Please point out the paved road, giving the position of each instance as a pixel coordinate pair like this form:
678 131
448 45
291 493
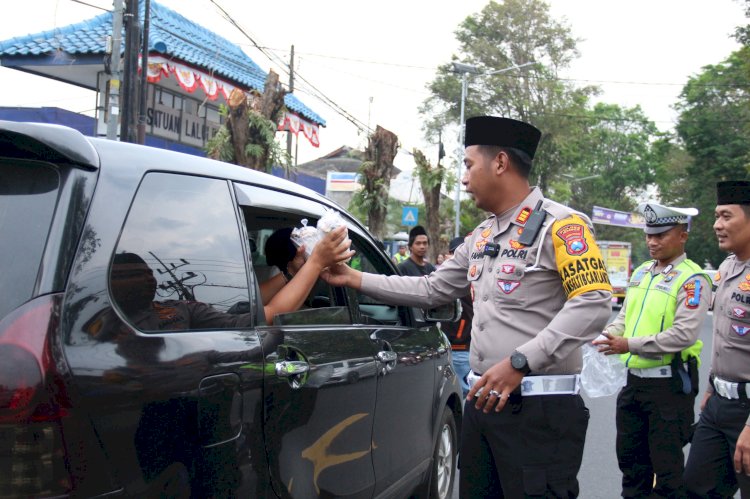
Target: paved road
600 477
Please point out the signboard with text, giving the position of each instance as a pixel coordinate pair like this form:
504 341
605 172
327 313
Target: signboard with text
606 216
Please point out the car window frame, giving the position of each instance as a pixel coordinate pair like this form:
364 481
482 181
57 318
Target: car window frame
258 197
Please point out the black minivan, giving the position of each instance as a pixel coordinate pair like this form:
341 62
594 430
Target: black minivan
347 397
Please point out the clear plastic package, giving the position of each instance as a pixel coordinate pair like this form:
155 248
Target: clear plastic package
309 236
602 375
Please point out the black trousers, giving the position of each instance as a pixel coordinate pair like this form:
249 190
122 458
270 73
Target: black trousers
709 471
653 425
532 449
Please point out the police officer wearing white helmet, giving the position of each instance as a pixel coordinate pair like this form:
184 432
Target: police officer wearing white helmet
719 460
541 290
656 336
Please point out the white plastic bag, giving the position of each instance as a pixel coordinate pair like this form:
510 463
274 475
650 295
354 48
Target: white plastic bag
602 375
310 236
307 235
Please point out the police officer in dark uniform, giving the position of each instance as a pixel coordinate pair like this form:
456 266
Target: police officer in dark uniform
541 290
719 460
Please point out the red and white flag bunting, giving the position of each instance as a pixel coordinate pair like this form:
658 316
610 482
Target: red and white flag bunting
295 124
190 79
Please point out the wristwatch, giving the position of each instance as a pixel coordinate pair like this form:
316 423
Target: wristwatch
519 362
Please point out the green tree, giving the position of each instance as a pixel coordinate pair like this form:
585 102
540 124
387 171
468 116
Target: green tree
248 135
610 158
502 35
714 126
742 33
431 180
375 177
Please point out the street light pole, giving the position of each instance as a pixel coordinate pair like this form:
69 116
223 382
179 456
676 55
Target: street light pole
466 69
113 101
460 158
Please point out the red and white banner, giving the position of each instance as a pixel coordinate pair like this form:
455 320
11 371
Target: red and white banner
295 124
190 79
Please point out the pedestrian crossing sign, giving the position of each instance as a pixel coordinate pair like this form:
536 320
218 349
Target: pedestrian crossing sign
409 215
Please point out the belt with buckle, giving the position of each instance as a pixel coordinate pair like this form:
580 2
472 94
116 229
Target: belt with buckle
551 384
652 372
729 389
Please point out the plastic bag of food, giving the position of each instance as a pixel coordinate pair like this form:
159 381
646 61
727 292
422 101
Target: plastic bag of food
602 375
309 236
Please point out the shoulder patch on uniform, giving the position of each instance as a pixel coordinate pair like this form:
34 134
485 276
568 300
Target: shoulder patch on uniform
693 290
573 237
579 260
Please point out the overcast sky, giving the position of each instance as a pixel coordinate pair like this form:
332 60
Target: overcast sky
374 59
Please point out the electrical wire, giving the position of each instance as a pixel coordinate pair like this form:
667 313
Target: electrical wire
283 66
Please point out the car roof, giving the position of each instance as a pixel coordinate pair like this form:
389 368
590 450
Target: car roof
47 142
153 158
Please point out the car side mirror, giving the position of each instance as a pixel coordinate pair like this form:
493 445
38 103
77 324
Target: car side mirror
450 312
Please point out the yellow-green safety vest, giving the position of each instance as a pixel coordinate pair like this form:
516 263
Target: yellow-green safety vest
400 258
651 305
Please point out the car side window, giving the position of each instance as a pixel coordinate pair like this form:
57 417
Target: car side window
371 311
268 230
179 263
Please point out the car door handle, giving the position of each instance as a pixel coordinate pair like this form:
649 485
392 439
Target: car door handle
291 368
387 356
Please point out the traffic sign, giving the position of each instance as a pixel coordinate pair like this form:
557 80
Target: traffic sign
409 215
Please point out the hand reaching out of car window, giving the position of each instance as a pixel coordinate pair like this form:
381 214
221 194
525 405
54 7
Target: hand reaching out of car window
333 248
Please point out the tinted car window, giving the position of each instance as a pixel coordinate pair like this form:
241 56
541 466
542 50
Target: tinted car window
179 263
372 310
28 193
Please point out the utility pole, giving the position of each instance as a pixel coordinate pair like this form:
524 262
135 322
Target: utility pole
130 73
143 87
113 102
291 89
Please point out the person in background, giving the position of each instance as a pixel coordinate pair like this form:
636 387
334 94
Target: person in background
416 265
656 334
719 459
459 333
541 291
401 255
439 260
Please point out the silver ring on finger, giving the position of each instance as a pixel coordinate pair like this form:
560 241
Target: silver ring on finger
495 393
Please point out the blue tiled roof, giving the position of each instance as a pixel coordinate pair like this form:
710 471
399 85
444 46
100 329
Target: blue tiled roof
171 35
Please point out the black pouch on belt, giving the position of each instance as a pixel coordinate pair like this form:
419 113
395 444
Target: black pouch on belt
692 369
680 375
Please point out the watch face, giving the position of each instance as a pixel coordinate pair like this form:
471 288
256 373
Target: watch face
518 361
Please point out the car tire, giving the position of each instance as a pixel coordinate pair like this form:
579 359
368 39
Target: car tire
443 471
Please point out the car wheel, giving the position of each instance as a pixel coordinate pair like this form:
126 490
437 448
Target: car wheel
444 458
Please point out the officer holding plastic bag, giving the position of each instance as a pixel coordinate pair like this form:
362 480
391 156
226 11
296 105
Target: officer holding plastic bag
656 336
541 290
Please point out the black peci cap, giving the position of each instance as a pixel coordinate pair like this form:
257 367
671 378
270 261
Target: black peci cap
733 192
279 249
503 132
